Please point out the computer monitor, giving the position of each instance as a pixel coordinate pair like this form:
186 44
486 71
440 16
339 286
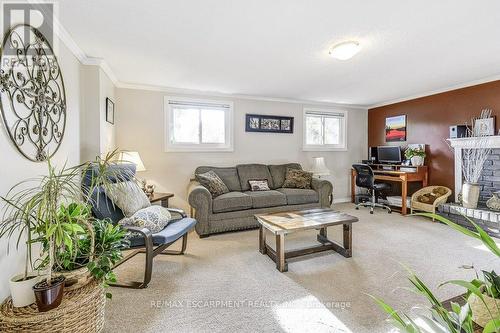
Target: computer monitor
389 154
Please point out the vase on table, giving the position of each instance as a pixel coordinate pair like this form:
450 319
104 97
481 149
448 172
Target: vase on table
417 160
470 195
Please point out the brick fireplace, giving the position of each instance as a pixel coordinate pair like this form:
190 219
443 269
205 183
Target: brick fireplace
489 182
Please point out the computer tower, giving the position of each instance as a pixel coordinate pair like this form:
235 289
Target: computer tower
373 154
458 131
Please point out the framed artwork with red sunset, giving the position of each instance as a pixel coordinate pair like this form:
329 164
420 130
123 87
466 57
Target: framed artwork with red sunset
395 129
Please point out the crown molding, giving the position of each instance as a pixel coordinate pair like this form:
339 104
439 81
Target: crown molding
171 90
492 78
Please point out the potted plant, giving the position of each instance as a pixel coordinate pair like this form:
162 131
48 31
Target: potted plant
53 210
416 155
482 304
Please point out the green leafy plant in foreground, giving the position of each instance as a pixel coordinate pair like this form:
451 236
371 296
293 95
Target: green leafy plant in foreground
460 318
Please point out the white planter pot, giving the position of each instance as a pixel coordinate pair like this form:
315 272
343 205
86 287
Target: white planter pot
470 195
417 160
22 291
480 314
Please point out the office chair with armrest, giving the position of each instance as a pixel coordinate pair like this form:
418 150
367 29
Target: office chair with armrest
366 179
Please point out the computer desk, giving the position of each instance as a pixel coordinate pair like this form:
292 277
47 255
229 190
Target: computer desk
417 174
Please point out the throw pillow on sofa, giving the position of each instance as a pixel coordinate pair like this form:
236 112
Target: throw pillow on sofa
154 218
212 182
259 185
128 196
297 179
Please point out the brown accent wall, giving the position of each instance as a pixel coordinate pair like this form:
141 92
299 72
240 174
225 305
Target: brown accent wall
428 120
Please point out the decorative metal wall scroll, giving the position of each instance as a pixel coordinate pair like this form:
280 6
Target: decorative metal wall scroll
33 100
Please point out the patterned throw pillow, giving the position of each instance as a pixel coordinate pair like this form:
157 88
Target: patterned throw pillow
297 178
212 182
128 196
259 185
154 218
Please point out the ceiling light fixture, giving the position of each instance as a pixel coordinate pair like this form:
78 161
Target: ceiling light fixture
345 50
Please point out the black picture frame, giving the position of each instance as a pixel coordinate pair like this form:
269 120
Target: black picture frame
268 124
110 111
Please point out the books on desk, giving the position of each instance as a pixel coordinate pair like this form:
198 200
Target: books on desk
397 201
408 169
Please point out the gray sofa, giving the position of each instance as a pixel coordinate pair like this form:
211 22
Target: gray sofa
235 210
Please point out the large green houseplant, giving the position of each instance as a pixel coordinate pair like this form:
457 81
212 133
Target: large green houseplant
53 210
460 318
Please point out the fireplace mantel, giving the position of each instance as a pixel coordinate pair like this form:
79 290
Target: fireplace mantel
467 143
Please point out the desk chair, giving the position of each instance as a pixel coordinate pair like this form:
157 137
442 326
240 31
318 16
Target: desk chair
366 179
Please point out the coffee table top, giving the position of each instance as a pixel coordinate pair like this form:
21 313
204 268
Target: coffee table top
304 219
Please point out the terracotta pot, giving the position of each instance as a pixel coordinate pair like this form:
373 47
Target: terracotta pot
480 314
470 195
22 290
47 296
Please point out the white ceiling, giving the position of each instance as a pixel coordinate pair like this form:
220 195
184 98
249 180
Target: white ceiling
279 48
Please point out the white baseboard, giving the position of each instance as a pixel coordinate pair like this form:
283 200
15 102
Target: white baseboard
341 200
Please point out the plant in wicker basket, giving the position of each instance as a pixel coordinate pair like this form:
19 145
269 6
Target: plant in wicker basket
54 211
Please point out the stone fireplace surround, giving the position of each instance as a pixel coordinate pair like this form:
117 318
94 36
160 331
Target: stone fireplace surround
489 182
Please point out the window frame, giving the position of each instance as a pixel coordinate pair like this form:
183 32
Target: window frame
170 146
325 147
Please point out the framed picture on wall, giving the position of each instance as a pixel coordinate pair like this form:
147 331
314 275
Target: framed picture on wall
110 111
269 124
395 129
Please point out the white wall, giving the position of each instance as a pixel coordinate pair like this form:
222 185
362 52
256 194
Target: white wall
16 168
139 119
107 130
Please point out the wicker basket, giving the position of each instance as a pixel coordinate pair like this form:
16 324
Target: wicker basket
430 208
82 310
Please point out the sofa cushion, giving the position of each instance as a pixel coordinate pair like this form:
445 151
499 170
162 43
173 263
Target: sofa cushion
248 172
228 175
278 173
262 199
232 201
298 196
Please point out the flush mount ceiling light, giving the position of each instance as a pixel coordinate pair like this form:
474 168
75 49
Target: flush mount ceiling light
345 50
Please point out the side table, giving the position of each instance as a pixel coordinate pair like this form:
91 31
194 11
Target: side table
161 197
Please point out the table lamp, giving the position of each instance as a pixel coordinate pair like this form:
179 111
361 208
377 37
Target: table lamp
319 167
134 158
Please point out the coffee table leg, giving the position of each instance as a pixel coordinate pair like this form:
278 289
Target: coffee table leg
262 240
323 232
281 264
348 240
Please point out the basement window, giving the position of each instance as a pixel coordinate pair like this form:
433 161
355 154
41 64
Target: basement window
194 125
324 130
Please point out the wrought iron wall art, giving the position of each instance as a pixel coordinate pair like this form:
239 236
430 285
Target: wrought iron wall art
32 95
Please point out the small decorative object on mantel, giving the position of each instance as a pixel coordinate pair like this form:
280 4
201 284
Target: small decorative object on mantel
485 124
395 129
110 111
269 124
494 202
33 99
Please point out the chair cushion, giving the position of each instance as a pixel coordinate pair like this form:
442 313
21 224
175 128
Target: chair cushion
248 172
212 182
173 231
128 196
262 199
298 196
154 218
230 202
278 172
228 175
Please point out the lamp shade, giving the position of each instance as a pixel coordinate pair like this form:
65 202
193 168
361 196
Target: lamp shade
132 157
319 167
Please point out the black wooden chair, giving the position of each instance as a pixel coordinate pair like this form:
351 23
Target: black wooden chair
365 179
142 240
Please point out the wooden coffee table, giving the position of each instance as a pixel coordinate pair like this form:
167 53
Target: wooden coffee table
284 223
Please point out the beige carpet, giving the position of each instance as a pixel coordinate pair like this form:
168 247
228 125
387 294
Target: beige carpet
223 284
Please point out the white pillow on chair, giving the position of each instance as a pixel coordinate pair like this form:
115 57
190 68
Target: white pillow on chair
128 196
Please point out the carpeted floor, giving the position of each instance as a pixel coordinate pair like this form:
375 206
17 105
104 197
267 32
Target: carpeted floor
223 283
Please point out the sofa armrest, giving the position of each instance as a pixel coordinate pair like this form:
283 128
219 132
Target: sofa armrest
201 200
324 189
